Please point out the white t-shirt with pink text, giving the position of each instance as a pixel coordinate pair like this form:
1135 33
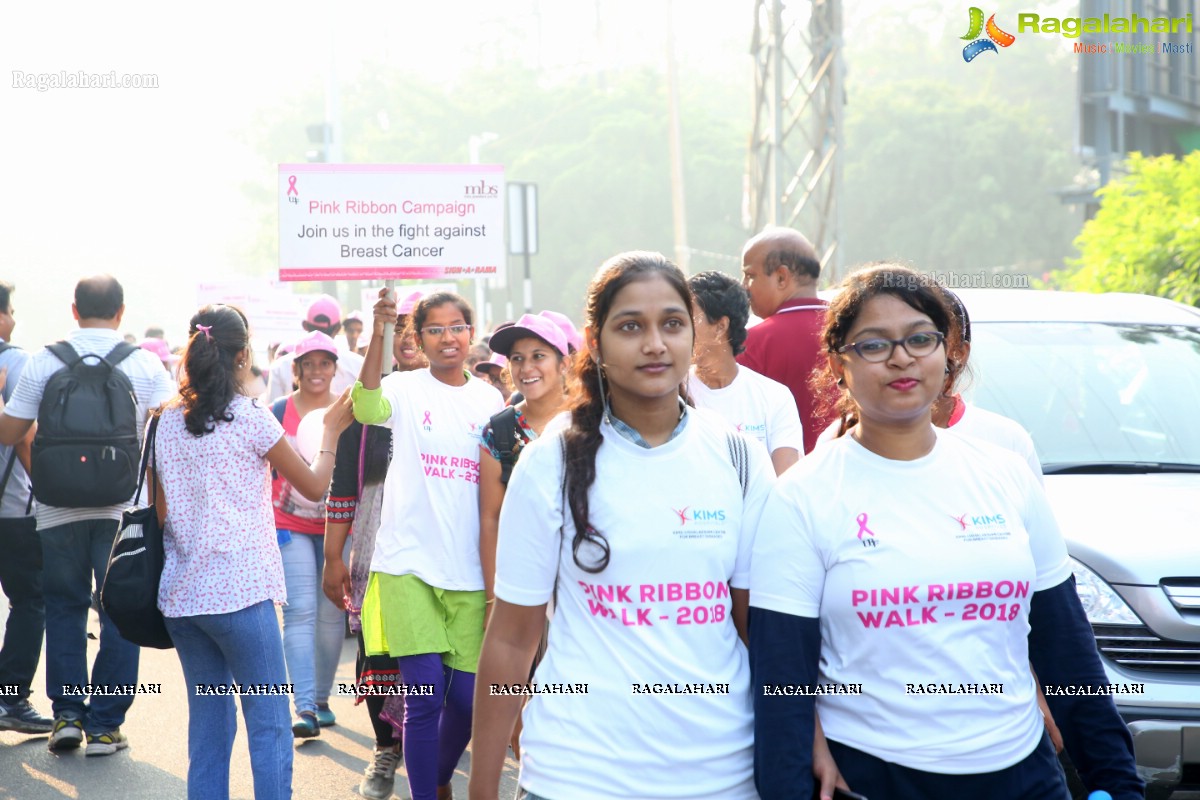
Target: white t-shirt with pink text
222 554
430 521
921 573
653 624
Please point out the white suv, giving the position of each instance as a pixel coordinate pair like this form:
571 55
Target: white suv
1109 387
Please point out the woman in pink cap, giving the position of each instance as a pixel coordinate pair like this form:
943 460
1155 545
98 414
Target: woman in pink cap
538 357
312 631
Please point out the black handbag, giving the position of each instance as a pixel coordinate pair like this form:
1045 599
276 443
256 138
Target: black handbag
135 564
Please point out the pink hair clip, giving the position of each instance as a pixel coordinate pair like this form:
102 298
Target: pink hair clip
205 330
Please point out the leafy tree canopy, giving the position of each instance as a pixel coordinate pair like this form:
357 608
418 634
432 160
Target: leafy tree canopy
1146 236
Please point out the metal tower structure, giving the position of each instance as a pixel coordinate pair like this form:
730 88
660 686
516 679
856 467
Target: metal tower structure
794 169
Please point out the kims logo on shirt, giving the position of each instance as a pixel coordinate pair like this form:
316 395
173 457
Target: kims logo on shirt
688 514
982 521
980 527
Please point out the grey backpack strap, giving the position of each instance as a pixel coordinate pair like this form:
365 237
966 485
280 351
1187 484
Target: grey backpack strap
740 458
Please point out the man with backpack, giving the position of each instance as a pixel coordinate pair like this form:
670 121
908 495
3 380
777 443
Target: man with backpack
90 396
21 564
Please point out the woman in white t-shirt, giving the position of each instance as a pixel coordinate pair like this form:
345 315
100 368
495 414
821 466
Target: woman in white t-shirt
425 601
637 518
223 576
950 411
756 405
912 576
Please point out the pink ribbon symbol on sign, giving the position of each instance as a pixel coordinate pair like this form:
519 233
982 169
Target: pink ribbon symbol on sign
862 526
427 420
292 186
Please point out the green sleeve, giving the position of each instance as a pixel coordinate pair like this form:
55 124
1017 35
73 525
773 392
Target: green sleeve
370 406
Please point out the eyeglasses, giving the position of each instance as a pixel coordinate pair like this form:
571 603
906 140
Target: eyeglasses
915 344
438 330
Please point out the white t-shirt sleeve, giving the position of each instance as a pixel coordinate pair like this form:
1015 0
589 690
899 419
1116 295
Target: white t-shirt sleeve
25 399
279 379
783 427
164 387
758 489
531 521
787 569
265 431
1050 557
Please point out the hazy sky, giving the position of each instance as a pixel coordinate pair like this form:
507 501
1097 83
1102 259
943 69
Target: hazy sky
147 183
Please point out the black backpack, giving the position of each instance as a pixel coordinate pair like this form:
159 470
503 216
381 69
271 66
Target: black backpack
85 453
508 443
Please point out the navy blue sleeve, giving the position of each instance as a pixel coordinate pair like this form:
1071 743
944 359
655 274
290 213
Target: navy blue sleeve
1062 649
784 650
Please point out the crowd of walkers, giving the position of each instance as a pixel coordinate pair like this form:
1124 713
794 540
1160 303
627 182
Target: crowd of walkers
664 554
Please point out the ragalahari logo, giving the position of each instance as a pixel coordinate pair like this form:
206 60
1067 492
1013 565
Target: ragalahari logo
995 36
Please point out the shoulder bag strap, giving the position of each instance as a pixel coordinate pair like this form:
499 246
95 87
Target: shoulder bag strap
12 459
149 459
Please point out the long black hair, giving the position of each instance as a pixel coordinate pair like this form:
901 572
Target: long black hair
218 337
587 404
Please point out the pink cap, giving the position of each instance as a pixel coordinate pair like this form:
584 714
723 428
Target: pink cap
574 337
324 306
498 361
529 325
313 342
354 315
408 303
159 348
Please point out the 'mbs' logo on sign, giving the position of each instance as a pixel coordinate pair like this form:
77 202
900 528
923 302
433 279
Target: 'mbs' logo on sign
481 189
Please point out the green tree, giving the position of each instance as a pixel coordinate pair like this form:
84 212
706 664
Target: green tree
1146 236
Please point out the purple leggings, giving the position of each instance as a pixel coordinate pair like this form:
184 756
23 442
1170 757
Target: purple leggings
437 727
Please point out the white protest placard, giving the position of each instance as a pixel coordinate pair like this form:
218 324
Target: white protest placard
390 221
274 312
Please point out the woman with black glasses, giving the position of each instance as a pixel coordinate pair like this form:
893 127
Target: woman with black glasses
425 600
903 581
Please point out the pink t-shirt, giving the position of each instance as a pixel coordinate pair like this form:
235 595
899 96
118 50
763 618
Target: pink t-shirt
220 544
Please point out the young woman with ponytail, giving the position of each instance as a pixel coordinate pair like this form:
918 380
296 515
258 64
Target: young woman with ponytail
222 577
638 519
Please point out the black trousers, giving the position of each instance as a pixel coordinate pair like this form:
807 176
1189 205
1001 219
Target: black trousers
1038 776
21 579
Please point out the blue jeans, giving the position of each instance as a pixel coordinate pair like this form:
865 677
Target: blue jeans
21 579
71 555
313 627
239 647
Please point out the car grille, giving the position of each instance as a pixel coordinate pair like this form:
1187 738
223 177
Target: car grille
1137 647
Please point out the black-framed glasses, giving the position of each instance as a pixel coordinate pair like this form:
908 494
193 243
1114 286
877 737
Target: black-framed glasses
916 345
438 330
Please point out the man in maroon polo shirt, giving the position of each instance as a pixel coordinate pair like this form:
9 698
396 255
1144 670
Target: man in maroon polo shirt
780 271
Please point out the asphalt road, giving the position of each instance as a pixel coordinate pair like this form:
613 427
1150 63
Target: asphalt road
154 767
155 764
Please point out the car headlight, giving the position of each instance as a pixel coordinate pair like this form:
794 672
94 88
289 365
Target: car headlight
1103 605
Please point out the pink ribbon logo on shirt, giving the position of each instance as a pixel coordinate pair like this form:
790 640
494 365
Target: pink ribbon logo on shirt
862 526
427 420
